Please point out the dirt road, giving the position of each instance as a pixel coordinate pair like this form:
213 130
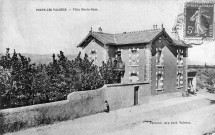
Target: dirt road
181 116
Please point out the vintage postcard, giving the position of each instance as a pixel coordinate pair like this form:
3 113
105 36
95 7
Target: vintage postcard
107 67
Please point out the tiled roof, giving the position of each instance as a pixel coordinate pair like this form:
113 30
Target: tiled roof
128 37
136 37
104 37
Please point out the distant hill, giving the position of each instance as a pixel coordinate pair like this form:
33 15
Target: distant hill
47 58
43 59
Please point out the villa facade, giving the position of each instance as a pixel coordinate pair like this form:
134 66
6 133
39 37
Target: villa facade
145 56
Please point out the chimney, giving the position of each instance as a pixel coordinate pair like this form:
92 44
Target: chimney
174 33
154 27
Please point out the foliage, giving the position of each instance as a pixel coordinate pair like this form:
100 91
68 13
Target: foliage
24 83
206 78
22 74
109 74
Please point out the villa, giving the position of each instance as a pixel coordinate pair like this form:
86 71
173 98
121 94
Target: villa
149 55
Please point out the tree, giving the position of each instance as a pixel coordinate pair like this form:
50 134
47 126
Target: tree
23 83
110 73
5 86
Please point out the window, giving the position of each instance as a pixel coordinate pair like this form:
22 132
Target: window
159 57
180 57
159 81
118 55
180 79
93 56
134 77
134 57
118 63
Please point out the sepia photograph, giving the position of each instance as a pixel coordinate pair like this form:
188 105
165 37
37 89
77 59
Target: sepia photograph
107 67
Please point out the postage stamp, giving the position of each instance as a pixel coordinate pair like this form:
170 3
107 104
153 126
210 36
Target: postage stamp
199 20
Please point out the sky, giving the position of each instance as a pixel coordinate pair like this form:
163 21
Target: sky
24 28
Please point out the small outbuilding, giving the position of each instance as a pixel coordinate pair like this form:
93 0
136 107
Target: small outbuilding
191 80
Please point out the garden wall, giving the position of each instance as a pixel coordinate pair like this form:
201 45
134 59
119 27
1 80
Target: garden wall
78 104
123 95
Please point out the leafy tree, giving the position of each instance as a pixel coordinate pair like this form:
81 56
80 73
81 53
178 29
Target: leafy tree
110 72
5 86
23 83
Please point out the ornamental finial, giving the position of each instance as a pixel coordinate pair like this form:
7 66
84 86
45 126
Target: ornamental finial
91 29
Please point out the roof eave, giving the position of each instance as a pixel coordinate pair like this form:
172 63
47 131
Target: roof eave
80 44
163 30
91 34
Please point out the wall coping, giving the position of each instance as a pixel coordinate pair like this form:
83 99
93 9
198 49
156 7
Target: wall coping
62 102
30 107
69 97
126 84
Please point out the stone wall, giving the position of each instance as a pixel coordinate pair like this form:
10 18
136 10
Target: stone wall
78 104
122 95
